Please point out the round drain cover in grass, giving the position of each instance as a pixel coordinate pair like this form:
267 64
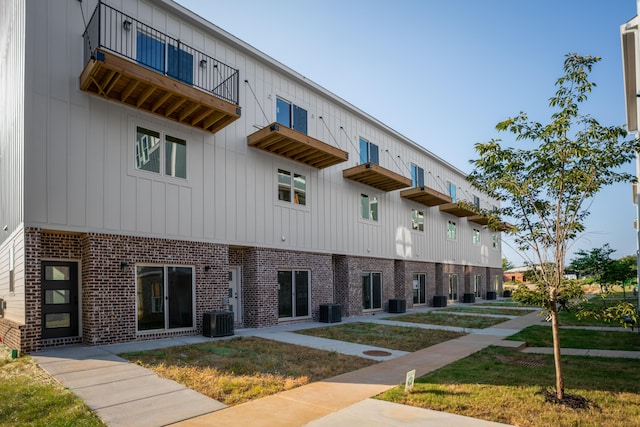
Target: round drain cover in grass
376 353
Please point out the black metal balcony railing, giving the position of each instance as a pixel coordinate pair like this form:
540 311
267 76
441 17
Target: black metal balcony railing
119 33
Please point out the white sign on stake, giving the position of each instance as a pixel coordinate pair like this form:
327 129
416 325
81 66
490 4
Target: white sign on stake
408 383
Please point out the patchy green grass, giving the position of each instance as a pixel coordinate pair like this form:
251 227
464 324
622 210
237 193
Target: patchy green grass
433 318
567 318
31 397
488 310
540 336
243 369
392 337
504 385
502 303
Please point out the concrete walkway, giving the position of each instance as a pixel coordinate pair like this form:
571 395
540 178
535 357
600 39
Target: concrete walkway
124 394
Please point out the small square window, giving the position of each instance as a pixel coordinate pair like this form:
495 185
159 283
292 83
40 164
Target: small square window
368 207
368 152
292 187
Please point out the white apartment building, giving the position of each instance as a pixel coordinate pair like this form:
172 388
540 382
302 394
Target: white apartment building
154 168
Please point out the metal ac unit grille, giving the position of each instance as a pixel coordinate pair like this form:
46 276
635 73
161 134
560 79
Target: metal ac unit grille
217 324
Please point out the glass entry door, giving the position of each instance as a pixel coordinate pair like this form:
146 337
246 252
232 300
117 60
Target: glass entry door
293 294
419 288
59 299
453 287
165 297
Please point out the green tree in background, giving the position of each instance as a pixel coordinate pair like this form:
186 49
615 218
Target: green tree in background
546 185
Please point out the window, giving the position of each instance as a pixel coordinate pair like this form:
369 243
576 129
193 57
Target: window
371 291
149 156
477 285
151 51
419 288
476 236
291 116
451 190
494 241
453 287
417 220
496 283
12 283
368 207
164 297
292 187
417 176
368 152
294 293
476 202
451 230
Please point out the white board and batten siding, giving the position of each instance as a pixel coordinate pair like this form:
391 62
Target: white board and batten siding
82 175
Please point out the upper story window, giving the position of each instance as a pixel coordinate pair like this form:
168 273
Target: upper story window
368 152
476 202
149 155
494 241
290 115
292 187
451 230
417 176
451 190
152 51
476 236
368 207
417 220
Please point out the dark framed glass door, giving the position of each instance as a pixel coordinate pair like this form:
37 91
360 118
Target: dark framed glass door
59 299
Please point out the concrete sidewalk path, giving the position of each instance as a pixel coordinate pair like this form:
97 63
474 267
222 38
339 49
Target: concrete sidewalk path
122 393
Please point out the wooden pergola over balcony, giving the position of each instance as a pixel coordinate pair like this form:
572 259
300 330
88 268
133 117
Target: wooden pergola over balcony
118 79
426 196
129 62
457 210
286 142
376 176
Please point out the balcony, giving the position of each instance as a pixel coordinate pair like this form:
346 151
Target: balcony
457 209
376 176
129 62
479 219
426 196
294 145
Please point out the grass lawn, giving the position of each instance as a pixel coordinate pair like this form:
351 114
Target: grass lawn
504 303
243 369
392 337
504 385
431 318
540 336
488 310
30 397
569 318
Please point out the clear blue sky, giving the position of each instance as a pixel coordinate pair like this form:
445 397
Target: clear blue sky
444 72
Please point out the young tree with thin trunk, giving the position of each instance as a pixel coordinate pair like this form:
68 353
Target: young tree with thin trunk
546 185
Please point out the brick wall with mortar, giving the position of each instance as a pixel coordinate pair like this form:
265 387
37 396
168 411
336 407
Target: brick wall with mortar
404 276
107 292
470 272
348 279
260 268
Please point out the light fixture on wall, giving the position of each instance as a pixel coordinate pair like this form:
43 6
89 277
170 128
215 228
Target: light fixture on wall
126 25
123 266
203 63
5 228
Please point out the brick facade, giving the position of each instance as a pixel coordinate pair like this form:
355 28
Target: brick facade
107 283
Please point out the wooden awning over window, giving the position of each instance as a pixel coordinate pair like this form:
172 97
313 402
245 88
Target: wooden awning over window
426 196
119 79
376 176
294 145
457 210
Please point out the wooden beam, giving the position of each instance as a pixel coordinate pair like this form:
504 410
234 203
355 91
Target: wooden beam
174 107
201 116
146 94
161 101
129 89
188 111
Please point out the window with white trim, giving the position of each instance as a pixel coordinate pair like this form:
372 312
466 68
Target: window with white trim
291 116
451 230
476 236
417 176
495 240
292 187
417 220
150 156
368 152
476 202
368 207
